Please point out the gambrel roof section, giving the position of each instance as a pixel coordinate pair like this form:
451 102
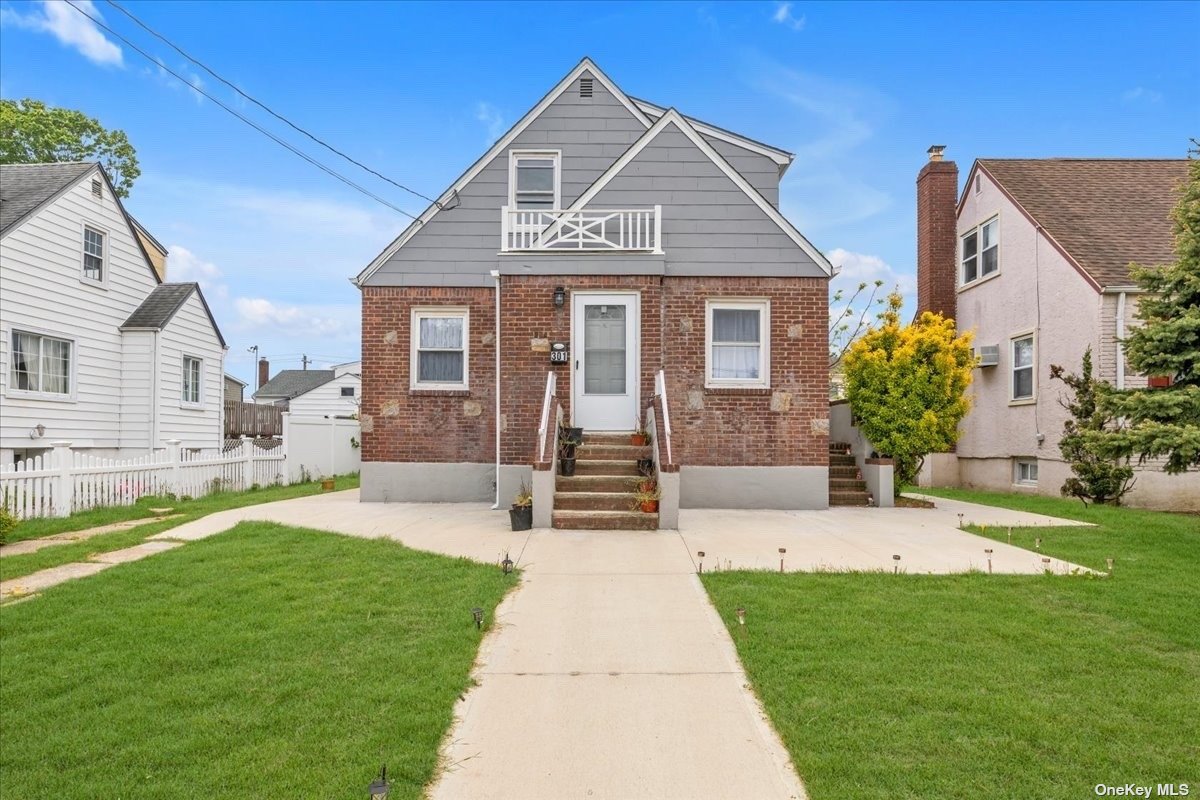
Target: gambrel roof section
585 65
673 118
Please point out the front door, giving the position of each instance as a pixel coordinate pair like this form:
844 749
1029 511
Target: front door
604 343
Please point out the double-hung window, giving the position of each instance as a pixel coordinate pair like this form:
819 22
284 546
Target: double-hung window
534 181
980 251
193 377
41 364
93 254
439 348
1022 367
1025 472
738 333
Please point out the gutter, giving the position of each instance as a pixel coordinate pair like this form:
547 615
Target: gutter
495 273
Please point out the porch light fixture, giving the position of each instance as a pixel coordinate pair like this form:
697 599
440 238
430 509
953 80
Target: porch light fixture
477 614
380 786
896 565
507 565
989 555
560 296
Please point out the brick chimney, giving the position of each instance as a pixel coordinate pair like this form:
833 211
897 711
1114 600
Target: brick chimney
264 372
937 234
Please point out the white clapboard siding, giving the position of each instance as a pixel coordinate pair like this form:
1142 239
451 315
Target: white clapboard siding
190 333
138 350
40 270
327 400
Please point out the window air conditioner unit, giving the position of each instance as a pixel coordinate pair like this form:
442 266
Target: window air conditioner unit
989 355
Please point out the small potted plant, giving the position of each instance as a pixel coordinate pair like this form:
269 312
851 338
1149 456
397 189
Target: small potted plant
574 434
645 467
521 513
639 437
327 484
568 440
646 497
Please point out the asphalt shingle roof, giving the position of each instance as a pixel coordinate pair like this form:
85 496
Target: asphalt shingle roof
1106 212
290 383
160 305
24 187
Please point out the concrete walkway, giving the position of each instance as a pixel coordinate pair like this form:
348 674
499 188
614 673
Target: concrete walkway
608 674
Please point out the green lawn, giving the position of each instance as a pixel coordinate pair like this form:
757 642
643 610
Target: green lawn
17 566
978 686
263 662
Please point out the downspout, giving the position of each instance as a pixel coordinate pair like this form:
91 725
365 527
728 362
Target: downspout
496 277
1120 335
1037 334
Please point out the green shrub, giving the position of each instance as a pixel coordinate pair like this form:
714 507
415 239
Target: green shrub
8 524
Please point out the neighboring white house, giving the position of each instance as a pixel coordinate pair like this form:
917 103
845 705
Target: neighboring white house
330 392
94 348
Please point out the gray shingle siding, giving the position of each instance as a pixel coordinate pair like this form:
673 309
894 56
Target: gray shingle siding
760 171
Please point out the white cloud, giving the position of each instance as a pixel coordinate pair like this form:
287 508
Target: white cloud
70 27
492 119
260 314
164 77
783 16
184 265
1141 94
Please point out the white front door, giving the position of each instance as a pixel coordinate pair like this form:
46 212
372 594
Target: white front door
604 354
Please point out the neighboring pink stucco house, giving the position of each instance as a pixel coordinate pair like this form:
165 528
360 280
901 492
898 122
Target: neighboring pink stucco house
1037 267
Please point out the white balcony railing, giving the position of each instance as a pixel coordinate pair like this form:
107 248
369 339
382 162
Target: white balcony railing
587 230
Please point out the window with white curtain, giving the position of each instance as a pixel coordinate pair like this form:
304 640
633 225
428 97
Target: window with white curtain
93 254
439 349
738 334
1022 368
193 376
40 364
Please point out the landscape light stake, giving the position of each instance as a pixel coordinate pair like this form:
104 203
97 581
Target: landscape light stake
960 520
741 618
1046 565
700 553
989 555
1109 562
782 553
1037 544
380 786
896 566
1010 534
477 614
507 565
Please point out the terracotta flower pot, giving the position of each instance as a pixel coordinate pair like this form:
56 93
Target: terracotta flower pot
327 485
649 506
639 439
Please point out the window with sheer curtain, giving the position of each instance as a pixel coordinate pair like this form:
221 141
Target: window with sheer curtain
40 364
738 343
440 348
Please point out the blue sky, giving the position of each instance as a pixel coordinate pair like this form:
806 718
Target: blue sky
857 90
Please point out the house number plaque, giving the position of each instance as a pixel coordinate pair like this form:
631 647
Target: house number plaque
559 353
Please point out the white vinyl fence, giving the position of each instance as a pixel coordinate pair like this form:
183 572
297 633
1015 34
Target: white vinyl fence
321 446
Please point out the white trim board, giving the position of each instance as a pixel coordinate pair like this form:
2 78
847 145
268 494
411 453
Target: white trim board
586 65
674 117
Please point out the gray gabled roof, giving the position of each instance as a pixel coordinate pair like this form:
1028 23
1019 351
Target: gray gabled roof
162 304
291 383
24 188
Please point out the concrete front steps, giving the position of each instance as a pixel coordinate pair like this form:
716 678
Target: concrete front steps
845 487
600 495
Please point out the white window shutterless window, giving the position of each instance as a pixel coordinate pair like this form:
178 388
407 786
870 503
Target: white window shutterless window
93 254
604 384
193 377
534 182
980 252
440 348
1025 472
41 364
738 344
1023 378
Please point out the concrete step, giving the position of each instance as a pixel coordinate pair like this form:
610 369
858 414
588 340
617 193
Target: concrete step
846 485
593 501
604 520
596 483
839 447
843 471
847 498
605 438
603 467
839 460
612 452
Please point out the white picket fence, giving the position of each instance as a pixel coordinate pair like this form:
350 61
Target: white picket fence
65 481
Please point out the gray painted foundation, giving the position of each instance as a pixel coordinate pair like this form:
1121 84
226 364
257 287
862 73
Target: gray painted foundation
511 477
407 482
754 487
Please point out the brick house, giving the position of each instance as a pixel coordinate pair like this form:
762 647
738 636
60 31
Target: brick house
606 257
1034 256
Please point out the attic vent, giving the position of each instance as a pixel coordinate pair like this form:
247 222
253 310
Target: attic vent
978 184
97 188
585 87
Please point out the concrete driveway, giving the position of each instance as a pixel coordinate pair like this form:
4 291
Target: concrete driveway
608 674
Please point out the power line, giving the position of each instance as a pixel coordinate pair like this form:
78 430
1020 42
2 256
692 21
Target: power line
243 118
265 107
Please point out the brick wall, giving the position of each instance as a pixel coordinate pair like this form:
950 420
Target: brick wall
784 425
399 424
937 238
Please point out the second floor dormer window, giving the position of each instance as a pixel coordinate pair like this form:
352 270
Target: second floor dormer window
534 182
